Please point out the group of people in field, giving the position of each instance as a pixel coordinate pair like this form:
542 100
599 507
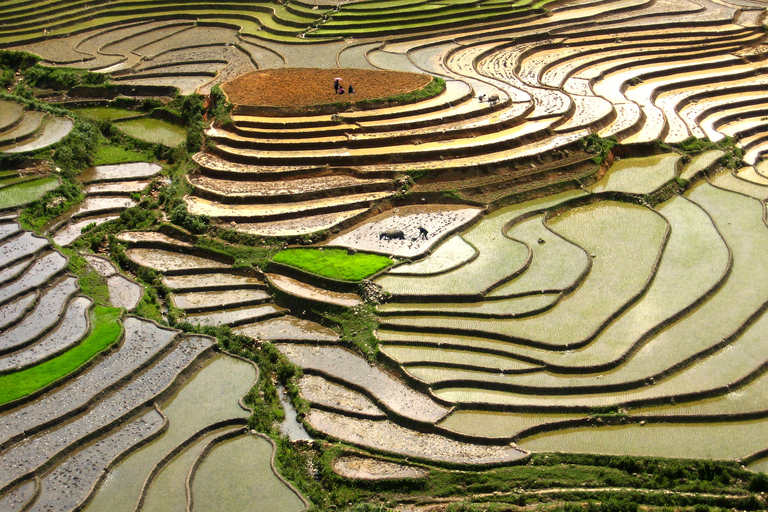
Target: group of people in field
340 88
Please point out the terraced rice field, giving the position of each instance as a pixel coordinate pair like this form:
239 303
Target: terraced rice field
539 279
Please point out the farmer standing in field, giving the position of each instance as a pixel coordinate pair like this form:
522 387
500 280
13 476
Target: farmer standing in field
336 84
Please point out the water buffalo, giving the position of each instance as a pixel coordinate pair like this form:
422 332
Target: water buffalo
392 234
493 99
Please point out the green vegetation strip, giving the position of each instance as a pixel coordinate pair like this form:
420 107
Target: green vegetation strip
27 191
106 331
334 263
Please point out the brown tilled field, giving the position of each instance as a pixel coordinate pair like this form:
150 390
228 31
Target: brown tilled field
301 87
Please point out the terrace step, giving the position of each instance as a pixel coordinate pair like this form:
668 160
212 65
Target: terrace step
50 131
306 291
143 343
456 92
11 114
236 316
172 263
45 316
515 136
284 191
35 453
281 211
28 125
213 281
198 302
72 328
71 231
45 267
287 328
304 225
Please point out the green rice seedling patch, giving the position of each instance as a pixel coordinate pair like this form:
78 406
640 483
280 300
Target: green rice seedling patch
506 308
448 256
334 263
105 332
621 236
108 154
423 356
700 162
639 175
499 257
237 474
219 385
14 180
695 260
154 130
498 424
106 113
26 192
556 263
687 440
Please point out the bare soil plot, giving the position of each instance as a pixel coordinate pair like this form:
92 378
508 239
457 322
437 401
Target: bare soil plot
438 220
300 87
124 293
367 468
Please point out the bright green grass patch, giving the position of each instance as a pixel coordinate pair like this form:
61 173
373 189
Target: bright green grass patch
106 154
26 192
106 331
154 130
334 263
106 113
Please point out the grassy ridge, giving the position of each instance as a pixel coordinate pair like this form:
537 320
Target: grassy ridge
106 331
334 263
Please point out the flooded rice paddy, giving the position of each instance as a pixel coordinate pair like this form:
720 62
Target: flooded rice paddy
154 130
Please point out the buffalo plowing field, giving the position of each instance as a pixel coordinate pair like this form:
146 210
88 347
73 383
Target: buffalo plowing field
523 266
